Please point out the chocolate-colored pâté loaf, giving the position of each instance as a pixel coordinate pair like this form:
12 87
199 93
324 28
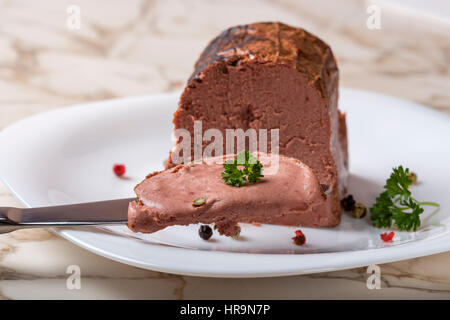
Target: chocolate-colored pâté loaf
271 75
188 194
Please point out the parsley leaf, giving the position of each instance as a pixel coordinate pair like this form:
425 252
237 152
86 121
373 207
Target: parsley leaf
396 205
251 171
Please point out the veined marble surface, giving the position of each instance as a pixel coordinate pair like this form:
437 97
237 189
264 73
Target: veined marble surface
135 47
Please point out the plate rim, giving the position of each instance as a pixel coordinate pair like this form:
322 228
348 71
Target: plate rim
439 246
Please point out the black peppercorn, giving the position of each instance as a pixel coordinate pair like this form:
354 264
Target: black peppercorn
348 203
205 232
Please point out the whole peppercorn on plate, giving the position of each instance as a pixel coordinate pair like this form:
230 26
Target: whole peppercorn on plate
68 156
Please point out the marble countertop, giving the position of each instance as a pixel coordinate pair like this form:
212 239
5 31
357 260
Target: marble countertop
133 47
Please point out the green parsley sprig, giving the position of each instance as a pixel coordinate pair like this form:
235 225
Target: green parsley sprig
242 169
396 205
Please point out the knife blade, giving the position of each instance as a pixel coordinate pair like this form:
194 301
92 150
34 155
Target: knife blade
109 212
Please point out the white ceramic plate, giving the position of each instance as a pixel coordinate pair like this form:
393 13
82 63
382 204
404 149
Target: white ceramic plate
66 156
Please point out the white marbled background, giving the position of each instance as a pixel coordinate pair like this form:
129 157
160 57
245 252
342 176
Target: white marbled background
135 47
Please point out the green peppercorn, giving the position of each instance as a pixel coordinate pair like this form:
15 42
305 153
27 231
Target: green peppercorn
199 202
359 211
237 234
413 177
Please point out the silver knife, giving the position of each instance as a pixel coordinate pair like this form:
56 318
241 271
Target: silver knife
110 212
